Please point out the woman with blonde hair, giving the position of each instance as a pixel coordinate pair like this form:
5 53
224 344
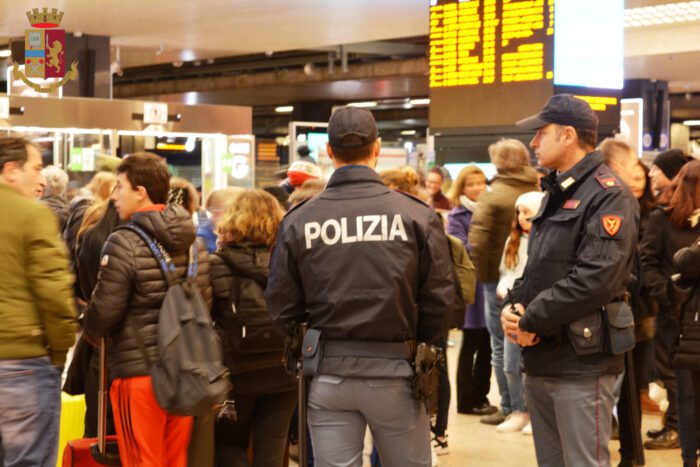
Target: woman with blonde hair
474 367
265 395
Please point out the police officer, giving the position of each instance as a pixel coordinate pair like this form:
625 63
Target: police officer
579 261
369 268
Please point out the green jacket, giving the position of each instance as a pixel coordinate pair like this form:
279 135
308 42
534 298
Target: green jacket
493 219
37 310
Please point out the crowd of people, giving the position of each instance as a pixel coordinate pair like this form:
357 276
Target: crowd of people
586 292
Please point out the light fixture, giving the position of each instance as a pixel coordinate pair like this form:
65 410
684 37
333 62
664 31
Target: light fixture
284 109
362 104
5 53
691 123
421 101
408 132
669 13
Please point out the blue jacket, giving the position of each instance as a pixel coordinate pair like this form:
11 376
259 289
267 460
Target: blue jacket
458 223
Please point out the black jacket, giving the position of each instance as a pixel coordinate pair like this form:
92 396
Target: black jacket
661 240
575 266
131 284
687 262
245 263
361 262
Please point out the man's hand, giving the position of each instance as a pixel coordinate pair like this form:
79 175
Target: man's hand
526 339
510 320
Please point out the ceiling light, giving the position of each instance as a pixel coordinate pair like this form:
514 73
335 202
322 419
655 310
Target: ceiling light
284 109
425 101
362 104
5 53
692 123
680 12
408 132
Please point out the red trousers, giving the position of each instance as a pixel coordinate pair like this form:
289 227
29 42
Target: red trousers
147 435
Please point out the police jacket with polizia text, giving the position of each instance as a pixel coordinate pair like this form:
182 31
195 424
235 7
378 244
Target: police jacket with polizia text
580 258
361 262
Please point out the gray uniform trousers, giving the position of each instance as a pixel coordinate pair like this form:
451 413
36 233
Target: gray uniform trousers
341 408
571 419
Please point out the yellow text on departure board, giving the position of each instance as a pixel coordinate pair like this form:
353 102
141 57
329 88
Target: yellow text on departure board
489 41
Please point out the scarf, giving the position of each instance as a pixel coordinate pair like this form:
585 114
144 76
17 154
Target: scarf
467 203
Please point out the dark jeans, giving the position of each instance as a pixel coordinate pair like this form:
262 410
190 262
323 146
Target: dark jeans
686 415
666 334
30 410
474 369
267 418
444 395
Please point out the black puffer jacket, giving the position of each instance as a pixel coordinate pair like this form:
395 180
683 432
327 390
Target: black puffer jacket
660 242
246 264
130 287
687 261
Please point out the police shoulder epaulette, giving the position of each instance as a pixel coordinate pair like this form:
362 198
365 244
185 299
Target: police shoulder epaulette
607 180
413 197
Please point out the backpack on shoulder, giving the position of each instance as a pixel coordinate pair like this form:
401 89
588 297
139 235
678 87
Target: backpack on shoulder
189 377
464 278
247 322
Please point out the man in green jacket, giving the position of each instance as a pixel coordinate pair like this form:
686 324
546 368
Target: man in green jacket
37 311
491 225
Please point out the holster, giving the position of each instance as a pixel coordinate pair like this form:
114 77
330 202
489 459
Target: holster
426 379
312 352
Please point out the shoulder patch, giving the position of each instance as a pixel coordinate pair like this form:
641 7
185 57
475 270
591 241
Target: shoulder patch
413 197
607 181
611 224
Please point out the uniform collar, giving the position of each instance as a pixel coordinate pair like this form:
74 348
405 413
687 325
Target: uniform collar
353 174
562 182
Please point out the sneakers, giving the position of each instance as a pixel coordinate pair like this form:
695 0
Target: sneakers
439 447
516 421
527 431
493 419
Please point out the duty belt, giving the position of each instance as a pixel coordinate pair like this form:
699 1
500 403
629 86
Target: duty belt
370 349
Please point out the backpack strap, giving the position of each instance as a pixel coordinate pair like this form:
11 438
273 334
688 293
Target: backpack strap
161 255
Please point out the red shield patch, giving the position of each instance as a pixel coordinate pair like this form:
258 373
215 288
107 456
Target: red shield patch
612 224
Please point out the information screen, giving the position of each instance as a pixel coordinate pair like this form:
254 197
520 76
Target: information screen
493 62
490 41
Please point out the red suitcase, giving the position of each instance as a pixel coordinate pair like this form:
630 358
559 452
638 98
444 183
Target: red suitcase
102 450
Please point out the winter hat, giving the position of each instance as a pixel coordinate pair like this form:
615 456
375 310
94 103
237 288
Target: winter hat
670 162
531 200
301 171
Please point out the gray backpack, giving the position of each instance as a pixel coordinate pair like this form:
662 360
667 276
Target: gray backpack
189 377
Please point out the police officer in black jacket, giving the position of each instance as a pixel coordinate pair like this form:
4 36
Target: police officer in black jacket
369 268
580 256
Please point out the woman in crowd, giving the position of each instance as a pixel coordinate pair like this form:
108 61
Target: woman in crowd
687 356
215 206
511 269
265 395
667 231
474 367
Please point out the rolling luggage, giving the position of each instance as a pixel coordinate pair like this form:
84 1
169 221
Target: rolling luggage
102 450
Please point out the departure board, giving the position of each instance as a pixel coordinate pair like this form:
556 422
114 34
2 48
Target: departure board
490 42
493 62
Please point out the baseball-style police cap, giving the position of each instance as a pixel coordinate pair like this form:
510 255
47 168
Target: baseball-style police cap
563 109
351 127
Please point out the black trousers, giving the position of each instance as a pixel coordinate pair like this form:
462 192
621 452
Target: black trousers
264 416
666 334
643 353
473 369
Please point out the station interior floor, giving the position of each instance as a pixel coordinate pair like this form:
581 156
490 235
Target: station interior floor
472 444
